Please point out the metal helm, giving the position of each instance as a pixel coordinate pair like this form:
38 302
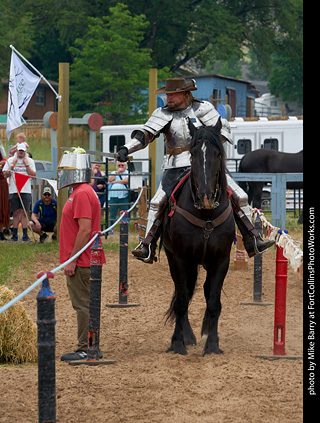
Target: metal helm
74 169
226 131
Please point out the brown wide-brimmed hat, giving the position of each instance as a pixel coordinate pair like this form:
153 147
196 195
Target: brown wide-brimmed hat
177 85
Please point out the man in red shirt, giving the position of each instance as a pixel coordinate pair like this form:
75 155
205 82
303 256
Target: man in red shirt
80 219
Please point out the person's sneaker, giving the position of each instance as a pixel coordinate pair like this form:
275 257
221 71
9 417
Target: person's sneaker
14 238
78 355
53 238
25 238
43 237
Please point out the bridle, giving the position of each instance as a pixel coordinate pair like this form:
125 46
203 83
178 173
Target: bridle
206 225
216 194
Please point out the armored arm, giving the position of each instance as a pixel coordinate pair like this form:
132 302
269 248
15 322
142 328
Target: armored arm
141 137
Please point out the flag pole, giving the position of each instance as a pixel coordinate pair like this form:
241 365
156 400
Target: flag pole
35 69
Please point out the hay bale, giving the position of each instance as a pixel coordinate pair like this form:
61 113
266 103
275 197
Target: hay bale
18 333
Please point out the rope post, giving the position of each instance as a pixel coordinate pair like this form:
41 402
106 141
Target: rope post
280 302
257 266
280 307
257 271
123 262
96 262
123 265
46 351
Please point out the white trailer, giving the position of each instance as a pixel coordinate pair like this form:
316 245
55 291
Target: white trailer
114 136
281 135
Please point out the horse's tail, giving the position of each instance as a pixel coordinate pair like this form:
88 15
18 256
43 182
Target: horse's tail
170 316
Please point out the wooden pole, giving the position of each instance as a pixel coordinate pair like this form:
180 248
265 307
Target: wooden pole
63 131
153 76
240 257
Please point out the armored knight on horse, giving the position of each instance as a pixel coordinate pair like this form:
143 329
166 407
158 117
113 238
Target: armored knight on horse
173 120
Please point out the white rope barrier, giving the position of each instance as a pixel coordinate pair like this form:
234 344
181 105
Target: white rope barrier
291 248
38 281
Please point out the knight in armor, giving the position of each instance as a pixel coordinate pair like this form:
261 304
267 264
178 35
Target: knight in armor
172 120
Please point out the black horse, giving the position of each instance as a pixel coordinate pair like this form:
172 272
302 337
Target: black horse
269 161
199 230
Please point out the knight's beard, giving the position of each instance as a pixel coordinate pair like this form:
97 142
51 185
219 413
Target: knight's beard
175 105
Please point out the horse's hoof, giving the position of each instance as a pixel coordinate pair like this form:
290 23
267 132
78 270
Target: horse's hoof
190 341
175 350
210 351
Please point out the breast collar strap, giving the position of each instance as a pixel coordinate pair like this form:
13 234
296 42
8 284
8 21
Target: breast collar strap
207 225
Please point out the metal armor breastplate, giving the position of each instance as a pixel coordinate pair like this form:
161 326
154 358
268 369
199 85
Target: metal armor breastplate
178 135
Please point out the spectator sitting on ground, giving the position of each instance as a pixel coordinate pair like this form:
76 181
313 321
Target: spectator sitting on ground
44 216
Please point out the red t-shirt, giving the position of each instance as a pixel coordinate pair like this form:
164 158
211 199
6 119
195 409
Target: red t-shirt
82 203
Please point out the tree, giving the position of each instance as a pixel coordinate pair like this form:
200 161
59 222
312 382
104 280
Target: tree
110 70
16 29
286 76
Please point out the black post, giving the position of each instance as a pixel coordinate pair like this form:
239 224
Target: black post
107 199
96 262
257 276
46 351
123 262
123 265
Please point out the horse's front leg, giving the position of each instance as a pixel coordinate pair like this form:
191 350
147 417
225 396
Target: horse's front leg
212 290
184 287
180 308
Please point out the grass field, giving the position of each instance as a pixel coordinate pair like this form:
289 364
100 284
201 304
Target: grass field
41 148
21 255
17 255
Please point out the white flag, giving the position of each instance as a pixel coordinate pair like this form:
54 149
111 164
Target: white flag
22 85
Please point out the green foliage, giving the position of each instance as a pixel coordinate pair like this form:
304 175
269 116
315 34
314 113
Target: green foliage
125 45
16 29
286 79
110 69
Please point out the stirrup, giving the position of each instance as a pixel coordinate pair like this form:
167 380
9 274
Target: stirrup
255 246
145 253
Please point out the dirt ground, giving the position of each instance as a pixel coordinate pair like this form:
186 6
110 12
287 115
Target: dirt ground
147 384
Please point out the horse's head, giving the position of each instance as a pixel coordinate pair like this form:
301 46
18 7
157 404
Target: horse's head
207 167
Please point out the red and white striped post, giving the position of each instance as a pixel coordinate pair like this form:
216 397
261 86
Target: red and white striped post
280 302
279 350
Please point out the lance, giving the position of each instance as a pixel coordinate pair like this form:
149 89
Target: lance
114 156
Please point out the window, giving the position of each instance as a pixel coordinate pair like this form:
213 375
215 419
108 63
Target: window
116 141
244 146
271 143
39 166
41 96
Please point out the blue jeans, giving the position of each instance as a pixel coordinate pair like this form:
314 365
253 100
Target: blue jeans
122 205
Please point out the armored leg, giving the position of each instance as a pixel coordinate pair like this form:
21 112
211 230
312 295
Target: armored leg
146 250
252 240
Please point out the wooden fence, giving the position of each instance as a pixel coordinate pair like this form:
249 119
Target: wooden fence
37 130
